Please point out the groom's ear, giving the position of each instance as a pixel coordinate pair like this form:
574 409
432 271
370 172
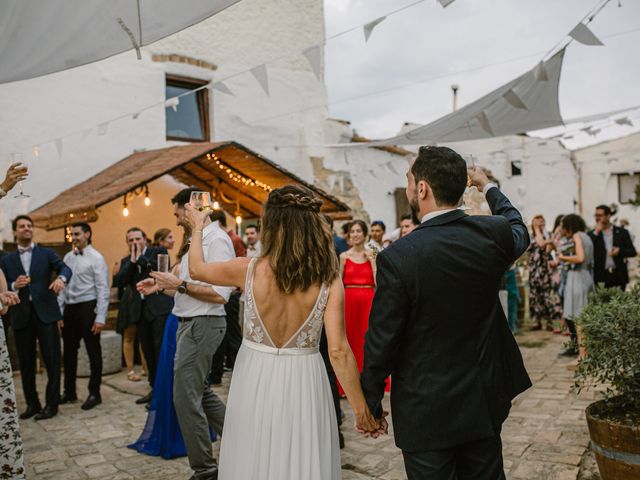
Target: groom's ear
424 190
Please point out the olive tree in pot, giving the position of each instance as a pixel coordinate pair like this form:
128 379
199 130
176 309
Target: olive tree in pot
610 332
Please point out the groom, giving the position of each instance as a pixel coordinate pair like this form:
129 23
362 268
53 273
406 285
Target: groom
438 328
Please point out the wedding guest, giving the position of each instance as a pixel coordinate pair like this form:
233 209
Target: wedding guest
254 246
28 271
378 229
579 278
200 332
238 245
544 304
225 356
612 245
127 325
357 269
85 303
11 453
163 238
148 313
339 243
407 225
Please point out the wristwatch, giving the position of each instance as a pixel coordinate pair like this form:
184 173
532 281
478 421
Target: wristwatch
182 288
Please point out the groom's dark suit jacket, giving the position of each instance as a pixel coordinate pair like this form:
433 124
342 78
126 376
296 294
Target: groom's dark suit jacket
437 326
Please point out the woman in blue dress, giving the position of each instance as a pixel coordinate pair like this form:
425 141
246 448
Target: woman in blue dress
161 435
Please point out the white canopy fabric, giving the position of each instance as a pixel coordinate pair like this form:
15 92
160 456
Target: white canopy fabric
530 102
40 37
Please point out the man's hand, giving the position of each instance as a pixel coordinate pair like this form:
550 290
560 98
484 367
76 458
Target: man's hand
147 286
195 219
97 328
21 282
60 326
9 298
136 252
15 173
614 251
478 177
166 280
57 286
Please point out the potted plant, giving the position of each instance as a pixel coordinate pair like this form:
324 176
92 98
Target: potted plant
610 332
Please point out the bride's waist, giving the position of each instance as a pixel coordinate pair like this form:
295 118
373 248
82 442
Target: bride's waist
278 351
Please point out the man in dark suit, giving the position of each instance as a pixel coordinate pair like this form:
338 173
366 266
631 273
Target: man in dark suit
437 326
611 247
29 271
152 311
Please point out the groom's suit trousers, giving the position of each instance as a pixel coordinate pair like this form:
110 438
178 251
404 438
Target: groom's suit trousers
477 460
197 407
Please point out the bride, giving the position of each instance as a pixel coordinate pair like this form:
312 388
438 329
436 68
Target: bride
280 422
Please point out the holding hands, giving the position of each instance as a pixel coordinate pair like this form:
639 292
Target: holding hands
369 426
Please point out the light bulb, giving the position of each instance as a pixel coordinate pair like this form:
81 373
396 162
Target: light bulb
216 205
238 219
147 201
125 211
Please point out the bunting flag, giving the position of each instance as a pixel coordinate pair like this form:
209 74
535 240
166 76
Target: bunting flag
102 128
513 98
59 147
368 28
135 115
36 151
484 122
260 74
173 103
445 3
581 33
314 56
221 87
624 121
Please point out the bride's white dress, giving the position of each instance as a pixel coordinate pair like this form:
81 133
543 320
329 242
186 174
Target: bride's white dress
280 422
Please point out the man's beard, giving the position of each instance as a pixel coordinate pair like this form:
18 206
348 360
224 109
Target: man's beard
414 212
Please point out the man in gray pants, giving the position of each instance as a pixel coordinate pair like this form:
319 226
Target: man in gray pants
200 310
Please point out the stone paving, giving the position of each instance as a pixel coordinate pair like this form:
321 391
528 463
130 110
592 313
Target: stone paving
545 436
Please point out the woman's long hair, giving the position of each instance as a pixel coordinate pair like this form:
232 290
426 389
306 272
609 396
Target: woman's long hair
297 240
160 236
184 246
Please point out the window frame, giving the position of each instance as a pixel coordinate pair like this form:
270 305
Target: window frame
620 175
202 100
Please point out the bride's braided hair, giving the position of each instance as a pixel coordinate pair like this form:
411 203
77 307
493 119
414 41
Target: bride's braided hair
297 239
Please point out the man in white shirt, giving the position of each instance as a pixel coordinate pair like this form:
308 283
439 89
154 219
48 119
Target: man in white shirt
254 246
85 303
377 231
200 309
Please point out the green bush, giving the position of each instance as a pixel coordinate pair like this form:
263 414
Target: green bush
610 333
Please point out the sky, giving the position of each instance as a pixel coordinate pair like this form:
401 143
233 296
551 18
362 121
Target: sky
405 71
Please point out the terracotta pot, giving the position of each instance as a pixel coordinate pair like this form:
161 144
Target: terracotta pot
616 447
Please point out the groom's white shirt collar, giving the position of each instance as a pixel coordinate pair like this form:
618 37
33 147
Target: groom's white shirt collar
437 213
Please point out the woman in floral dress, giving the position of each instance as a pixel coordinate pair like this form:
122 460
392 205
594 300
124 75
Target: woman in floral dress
544 302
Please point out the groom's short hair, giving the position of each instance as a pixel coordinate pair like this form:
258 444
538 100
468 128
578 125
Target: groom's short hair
444 170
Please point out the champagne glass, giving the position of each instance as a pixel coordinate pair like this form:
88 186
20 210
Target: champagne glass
18 158
470 164
163 262
201 201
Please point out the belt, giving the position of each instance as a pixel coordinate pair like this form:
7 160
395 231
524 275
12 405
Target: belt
359 286
188 319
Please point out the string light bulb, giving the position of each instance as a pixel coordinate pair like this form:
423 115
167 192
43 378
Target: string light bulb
147 199
125 210
238 219
216 205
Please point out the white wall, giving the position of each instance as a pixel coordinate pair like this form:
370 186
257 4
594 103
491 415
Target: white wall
599 165
37 111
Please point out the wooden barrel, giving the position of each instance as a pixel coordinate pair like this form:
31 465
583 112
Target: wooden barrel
616 447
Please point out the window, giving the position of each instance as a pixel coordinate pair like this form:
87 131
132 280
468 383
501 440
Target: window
189 119
516 168
628 185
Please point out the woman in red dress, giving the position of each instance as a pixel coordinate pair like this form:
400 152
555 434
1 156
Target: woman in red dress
357 267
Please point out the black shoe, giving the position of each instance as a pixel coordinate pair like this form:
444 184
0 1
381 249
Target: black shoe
145 399
48 412
68 398
91 401
569 352
341 439
31 411
216 381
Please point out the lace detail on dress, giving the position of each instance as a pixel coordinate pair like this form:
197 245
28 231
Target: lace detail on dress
307 336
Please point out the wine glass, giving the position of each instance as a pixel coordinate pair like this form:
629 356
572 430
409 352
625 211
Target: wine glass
201 201
470 164
163 262
18 158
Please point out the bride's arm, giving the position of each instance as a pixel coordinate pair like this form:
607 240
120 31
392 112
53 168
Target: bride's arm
231 273
342 359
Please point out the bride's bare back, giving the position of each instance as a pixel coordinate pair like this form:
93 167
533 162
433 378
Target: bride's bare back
282 314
